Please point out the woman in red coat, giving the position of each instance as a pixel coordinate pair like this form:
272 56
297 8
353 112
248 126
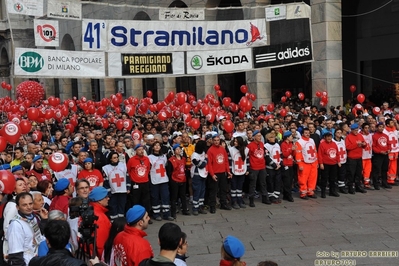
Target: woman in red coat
91 174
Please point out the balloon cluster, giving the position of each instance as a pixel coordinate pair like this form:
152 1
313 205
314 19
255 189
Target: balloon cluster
30 90
288 94
323 96
6 86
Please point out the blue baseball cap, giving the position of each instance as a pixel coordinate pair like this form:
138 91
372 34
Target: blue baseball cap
176 146
354 126
16 168
98 193
255 133
287 134
137 146
5 166
88 160
135 214
37 157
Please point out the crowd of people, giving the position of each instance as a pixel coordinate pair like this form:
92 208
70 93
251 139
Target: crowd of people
161 169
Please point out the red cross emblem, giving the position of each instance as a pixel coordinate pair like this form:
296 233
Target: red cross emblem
239 163
311 151
341 153
161 170
277 156
118 180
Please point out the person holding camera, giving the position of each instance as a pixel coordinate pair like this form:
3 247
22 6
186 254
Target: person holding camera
99 200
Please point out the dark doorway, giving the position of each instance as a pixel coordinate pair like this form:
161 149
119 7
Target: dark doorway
185 84
230 85
150 84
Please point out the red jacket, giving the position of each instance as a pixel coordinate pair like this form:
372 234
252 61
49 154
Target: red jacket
328 153
60 203
46 175
104 226
354 151
288 153
139 169
130 247
179 167
256 156
217 160
380 143
94 177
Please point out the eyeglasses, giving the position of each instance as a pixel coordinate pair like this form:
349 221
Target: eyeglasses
48 153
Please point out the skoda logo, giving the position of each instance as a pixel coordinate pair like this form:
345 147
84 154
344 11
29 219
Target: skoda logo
196 62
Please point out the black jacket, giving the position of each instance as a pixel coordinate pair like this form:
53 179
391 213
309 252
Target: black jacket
57 257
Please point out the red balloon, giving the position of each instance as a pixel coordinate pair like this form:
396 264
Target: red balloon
12 132
119 124
149 94
352 88
226 101
181 98
127 124
216 87
210 117
205 109
324 99
7 182
30 90
301 96
162 116
73 122
361 98
252 97
143 107
8 87
283 99
25 126
397 117
187 117
3 143
263 108
318 94
58 161
131 110
323 103
195 123
270 107
104 123
288 94
244 88
37 136
358 107
219 93
4 84
228 126
377 110
283 112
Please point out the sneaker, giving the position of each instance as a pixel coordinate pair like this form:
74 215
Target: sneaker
368 187
242 205
225 207
158 218
195 212
170 218
202 211
235 206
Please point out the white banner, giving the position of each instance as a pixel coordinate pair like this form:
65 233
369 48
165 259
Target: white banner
298 10
94 35
276 12
181 14
64 9
145 65
168 36
219 61
25 7
58 63
46 32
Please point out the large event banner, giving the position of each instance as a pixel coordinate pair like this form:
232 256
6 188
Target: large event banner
46 32
59 63
282 54
94 34
63 9
25 7
128 36
145 65
202 62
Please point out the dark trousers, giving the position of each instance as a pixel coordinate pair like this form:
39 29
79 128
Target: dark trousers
236 187
117 204
329 174
379 166
273 181
160 199
342 175
177 191
212 187
199 185
254 176
140 195
354 169
287 178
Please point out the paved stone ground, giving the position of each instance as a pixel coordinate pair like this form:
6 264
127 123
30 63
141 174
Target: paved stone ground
293 233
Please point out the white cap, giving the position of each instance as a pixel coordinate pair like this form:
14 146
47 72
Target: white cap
195 137
150 137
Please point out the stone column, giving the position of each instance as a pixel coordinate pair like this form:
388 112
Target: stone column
109 87
136 88
205 85
168 85
65 89
327 49
85 88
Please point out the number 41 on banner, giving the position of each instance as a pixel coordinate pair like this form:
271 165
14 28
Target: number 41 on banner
94 35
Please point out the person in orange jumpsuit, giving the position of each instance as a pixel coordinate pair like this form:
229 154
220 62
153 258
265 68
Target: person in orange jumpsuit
390 130
366 155
306 158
